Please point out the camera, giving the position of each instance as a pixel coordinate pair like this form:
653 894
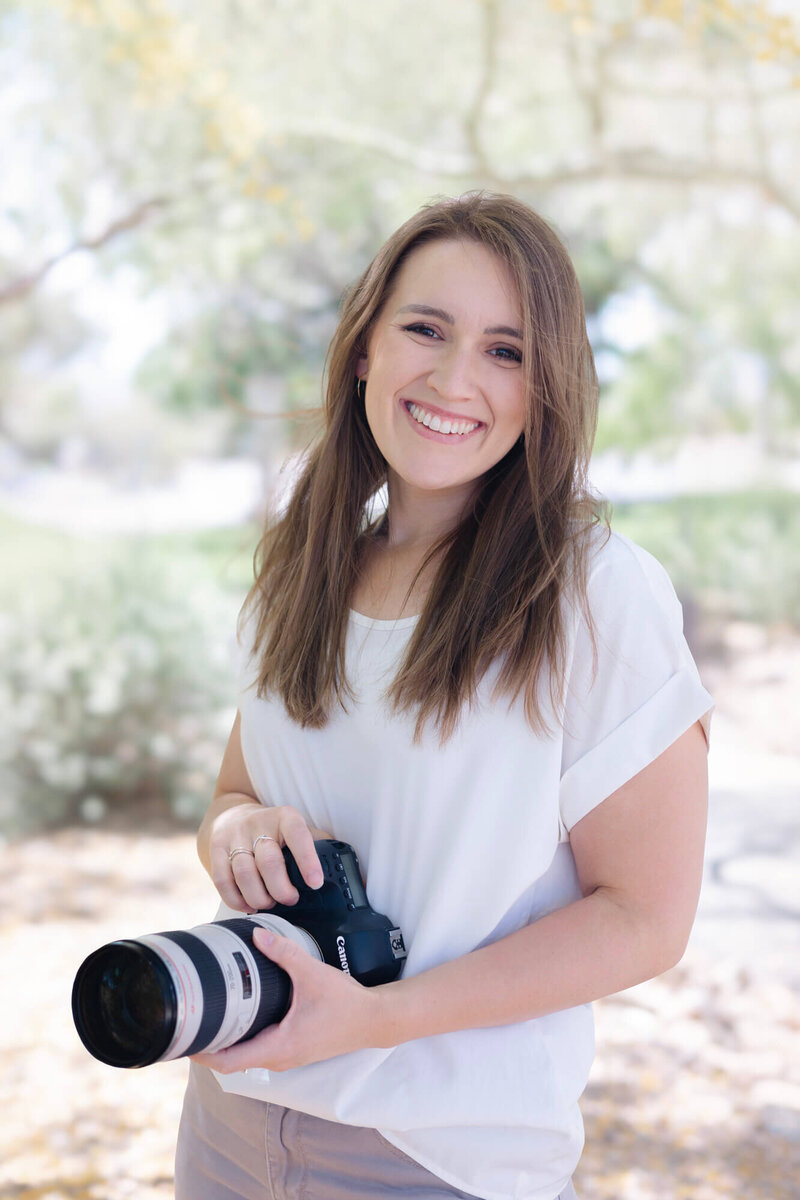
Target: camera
166 995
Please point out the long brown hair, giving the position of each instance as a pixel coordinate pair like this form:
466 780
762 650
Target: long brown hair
505 569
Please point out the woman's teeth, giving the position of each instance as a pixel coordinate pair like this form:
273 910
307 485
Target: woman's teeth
438 426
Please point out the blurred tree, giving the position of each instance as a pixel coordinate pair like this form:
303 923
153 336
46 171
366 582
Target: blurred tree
244 161
188 187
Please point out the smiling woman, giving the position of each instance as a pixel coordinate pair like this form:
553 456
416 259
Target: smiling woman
447 380
490 698
505 510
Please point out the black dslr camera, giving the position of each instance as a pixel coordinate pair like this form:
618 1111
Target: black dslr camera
165 995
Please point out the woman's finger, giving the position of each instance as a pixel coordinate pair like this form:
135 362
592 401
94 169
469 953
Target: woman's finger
255 876
224 881
249 881
270 864
298 837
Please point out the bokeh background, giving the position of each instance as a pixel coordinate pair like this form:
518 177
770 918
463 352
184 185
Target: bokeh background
185 191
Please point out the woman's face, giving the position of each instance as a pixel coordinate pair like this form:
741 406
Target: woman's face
444 381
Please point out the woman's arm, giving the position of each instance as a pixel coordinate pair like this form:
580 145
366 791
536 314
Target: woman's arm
236 817
639 856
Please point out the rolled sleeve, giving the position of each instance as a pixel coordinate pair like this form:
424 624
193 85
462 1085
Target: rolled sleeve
634 689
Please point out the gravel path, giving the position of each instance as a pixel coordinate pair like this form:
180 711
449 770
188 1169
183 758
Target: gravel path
696 1087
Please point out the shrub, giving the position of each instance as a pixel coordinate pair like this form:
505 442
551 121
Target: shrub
118 690
735 556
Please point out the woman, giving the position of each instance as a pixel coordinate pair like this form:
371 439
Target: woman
490 697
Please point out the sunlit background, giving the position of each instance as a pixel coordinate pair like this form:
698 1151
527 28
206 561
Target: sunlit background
185 191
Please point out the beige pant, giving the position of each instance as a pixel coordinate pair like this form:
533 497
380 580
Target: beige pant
234 1148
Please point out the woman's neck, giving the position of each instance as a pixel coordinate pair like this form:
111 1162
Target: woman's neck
416 520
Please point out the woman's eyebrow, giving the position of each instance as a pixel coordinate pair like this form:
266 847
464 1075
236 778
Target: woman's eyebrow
429 311
506 329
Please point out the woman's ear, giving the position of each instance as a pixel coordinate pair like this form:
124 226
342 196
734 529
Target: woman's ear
362 364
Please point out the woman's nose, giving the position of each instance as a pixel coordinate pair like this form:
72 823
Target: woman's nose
455 376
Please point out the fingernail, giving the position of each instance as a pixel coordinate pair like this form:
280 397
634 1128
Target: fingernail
265 936
315 878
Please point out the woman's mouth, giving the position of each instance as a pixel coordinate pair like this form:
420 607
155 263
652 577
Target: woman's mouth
455 428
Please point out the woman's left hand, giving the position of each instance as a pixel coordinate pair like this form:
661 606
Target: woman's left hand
330 1013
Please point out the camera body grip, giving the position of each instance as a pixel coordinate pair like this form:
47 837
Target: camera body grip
337 915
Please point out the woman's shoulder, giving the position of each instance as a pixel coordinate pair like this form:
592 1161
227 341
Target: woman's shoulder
608 547
608 551
619 570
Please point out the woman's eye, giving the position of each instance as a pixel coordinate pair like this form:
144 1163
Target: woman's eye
507 353
419 327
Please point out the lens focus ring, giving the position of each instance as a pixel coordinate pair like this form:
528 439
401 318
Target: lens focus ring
276 988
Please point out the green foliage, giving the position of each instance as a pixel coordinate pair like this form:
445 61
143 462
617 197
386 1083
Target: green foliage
222 556
637 408
212 359
118 689
735 556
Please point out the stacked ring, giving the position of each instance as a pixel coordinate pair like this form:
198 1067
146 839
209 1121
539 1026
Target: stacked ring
239 850
263 837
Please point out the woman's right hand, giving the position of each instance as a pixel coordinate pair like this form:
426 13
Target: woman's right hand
256 877
236 820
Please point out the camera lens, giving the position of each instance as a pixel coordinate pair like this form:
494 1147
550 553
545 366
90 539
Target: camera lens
124 1005
171 994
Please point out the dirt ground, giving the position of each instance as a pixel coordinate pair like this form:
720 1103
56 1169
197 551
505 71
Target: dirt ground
696 1086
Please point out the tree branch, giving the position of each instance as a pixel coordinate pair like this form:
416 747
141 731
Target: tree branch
590 93
23 284
321 128
474 117
625 164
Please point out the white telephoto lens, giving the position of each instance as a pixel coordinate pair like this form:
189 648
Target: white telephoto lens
242 980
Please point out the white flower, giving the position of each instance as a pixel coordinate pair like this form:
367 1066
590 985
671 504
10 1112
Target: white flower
104 697
93 808
68 774
162 746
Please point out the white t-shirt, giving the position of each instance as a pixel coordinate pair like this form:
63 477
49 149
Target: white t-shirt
465 843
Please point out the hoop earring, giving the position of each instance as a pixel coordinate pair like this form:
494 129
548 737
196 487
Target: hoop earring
359 392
